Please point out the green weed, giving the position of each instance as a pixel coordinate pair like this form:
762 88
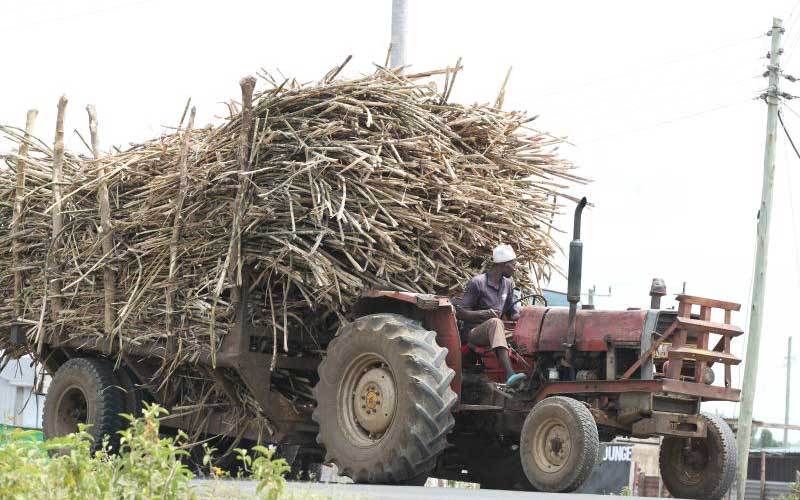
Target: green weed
147 465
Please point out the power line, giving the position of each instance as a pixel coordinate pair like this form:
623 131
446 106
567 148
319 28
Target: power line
712 73
740 370
791 12
27 5
780 119
791 211
665 122
791 52
786 106
650 68
672 98
790 30
72 16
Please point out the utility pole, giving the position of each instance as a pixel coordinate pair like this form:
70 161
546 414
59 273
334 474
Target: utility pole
762 248
399 30
788 392
591 293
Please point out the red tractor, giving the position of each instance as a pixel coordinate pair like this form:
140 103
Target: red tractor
400 397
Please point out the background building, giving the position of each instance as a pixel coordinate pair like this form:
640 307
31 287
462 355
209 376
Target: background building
19 406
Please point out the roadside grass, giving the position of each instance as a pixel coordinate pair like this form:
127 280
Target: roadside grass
794 492
147 466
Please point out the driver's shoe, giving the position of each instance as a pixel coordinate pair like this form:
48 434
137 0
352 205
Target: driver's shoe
515 379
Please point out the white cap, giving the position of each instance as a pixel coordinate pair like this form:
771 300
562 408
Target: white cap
503 253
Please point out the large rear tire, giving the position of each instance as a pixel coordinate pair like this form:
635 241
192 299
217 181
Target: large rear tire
558 445
84 391
384 403
700 467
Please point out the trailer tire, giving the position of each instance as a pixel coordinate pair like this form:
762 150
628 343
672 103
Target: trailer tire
134 396
558 445
84 390
709 471
384 402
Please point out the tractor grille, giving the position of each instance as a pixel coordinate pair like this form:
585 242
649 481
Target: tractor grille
688 406
665 318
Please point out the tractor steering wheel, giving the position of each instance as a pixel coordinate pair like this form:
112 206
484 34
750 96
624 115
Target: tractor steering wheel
534 295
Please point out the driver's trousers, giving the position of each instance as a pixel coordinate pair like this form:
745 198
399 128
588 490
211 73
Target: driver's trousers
490 333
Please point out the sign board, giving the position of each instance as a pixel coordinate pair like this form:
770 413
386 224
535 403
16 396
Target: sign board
611 471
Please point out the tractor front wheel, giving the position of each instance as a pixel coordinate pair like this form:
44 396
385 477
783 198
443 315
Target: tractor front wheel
384 403
558 445
700 467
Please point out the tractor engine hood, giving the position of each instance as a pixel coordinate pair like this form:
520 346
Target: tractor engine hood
545 328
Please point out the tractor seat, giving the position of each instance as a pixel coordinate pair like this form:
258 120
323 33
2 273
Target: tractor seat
470 348
472 357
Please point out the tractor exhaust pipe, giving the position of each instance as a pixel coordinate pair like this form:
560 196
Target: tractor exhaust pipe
574 278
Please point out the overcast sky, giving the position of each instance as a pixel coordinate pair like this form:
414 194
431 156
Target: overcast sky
658 100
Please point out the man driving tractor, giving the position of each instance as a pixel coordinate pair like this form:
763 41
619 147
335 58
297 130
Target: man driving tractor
485 299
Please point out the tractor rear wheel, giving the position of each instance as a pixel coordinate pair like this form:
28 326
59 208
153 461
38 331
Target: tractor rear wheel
84 391
384 403
558 445
700 467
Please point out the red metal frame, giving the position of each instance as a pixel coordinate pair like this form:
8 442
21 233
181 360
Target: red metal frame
665 386
541 329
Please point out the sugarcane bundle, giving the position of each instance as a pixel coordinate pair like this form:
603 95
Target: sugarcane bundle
316 192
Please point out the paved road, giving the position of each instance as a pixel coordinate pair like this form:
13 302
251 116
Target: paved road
244 489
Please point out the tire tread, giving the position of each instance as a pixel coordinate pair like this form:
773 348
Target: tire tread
414 454
108 402
716 487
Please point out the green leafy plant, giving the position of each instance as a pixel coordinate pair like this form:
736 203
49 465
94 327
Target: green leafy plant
147 465
266 471
794 492
150 465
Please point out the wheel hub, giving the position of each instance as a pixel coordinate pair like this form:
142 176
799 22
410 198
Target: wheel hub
374 400
552 446
71 410
694 456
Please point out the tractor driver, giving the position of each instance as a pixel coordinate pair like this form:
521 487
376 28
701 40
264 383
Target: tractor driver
487 296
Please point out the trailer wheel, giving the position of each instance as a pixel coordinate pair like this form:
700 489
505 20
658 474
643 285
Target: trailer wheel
558 445
134 394
700 467
384 403
83 391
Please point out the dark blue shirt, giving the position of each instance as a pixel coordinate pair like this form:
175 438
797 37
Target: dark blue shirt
481 295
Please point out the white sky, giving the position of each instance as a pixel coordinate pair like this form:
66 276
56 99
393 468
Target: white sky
676 200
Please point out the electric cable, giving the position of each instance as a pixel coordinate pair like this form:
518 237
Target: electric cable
27 5
791 211
665 122
651 67
641 89
7 29
638 106
786 106
746 336
780 119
